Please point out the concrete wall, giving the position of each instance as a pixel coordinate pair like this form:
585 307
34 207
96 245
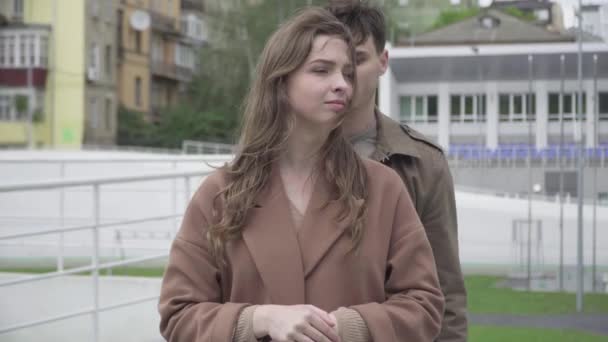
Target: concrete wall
515 180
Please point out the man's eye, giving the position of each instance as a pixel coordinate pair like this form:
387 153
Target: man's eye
361 60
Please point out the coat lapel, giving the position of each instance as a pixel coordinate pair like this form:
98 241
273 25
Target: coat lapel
272 241
320 227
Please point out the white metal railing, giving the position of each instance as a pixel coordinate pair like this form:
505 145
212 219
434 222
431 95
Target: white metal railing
95 266
202 147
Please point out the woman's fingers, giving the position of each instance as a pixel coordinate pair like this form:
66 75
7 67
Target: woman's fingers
324 315
322 331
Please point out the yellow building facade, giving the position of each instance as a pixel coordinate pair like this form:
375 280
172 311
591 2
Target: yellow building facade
60 54
149 74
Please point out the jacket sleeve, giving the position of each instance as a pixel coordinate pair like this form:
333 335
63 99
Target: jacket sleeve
438 216
190 304
413 308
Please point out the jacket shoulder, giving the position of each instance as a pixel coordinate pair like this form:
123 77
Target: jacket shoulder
381 175
421 138
211 185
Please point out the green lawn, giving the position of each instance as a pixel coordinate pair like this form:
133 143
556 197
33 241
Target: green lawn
484 297
502 334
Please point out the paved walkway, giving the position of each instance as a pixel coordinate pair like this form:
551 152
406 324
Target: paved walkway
591 323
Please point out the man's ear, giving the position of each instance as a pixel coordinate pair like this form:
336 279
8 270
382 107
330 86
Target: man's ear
383 61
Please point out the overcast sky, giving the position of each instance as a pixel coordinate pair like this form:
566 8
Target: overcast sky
568 7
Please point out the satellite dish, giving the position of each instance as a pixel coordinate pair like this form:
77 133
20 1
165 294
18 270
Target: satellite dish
140 20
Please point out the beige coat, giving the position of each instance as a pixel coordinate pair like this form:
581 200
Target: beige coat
392 282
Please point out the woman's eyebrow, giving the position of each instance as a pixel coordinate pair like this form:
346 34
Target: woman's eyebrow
323 61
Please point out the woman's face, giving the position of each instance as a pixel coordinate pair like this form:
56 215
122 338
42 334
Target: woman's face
320 89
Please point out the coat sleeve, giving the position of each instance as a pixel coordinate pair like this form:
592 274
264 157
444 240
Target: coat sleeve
413 308
438 216
190 304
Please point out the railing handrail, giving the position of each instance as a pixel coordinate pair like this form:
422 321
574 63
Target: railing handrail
88 268
64 183
95 266
85 227
181 158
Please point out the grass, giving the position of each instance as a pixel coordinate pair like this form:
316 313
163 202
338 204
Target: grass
502 334
484 297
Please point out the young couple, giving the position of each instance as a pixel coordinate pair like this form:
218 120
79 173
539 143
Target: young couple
307 235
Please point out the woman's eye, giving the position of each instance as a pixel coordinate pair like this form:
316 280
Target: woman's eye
320 71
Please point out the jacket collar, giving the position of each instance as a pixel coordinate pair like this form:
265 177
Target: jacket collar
392 138
283 257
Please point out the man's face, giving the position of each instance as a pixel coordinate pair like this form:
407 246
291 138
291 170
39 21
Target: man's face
371 64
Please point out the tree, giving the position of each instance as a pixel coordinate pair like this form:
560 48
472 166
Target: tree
451 16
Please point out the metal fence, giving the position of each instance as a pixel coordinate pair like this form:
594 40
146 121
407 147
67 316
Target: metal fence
201 147
96 184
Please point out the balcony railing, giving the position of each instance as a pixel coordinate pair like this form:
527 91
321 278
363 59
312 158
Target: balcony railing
171 71
163 23
196 5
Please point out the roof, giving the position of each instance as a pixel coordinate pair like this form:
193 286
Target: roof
501 28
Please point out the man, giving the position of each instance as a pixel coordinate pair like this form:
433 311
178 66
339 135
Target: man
420 163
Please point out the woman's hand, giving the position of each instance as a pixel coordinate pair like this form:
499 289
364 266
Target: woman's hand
294 323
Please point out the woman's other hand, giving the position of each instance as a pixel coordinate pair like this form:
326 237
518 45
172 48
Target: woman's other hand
294 323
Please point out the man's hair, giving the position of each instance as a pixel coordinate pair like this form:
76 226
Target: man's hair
363 19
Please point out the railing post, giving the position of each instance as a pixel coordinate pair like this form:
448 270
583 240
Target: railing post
187 190
174 197
95 261
60 252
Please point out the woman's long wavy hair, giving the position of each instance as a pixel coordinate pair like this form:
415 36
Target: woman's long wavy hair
266 127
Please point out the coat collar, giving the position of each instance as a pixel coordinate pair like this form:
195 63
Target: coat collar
392 139
283 257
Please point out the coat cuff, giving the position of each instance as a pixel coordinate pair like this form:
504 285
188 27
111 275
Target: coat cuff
351 325
243 331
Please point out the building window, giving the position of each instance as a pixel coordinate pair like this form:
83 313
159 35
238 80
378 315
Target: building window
93 113
542 14
138 91
10 46
32 49
44 45
22 50
5 108
18 9
157 50
468 107
108 113
2 50
108 61
138 41
569 106
94 57
517 107
603 105
418 108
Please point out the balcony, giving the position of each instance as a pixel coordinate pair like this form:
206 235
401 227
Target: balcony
24 57
164 24
171 71
18 77
194 5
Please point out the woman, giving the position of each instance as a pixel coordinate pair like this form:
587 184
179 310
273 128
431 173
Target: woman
297 239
